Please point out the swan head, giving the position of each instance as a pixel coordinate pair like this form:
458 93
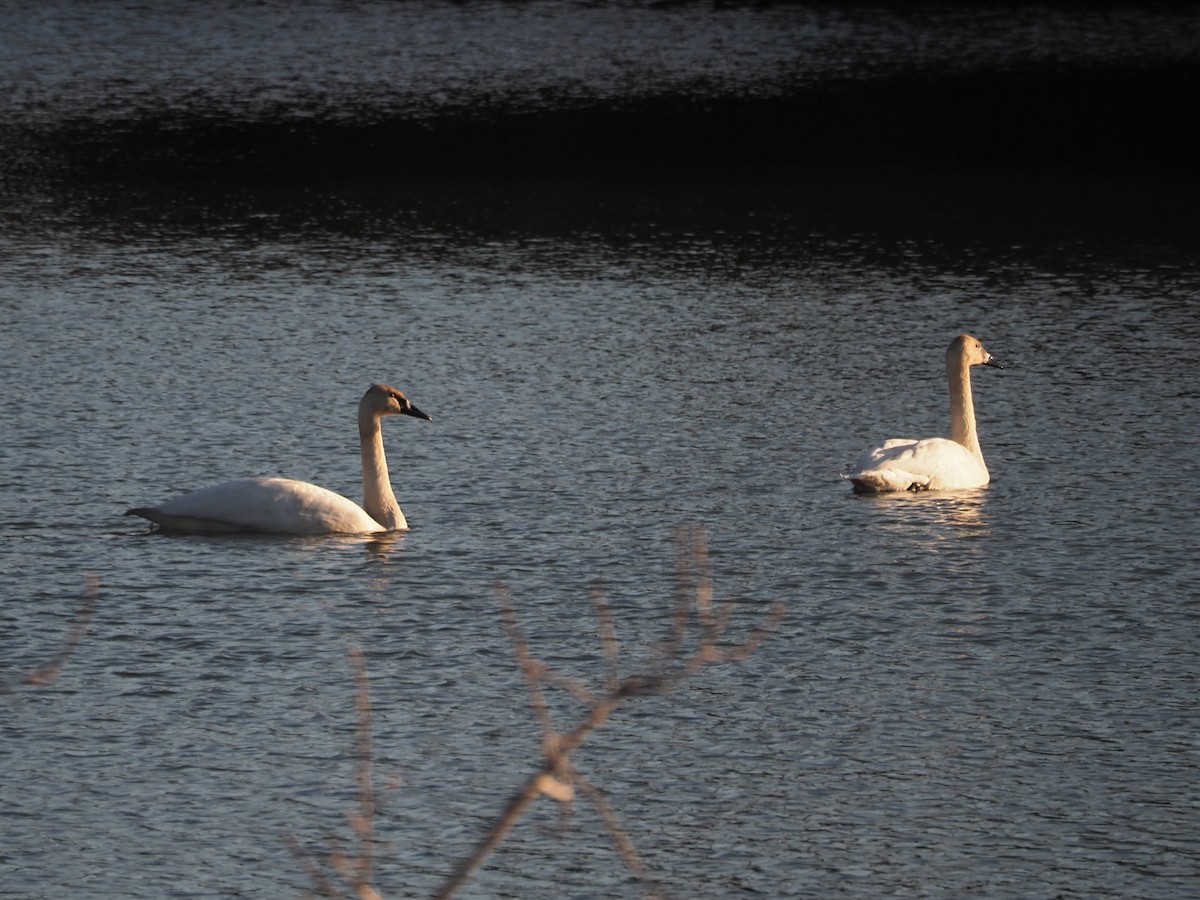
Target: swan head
967 349
384 400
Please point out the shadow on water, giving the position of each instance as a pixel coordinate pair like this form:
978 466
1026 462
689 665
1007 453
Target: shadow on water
974 213
1021 144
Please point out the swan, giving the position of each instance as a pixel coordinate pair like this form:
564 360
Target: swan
934 464
284 506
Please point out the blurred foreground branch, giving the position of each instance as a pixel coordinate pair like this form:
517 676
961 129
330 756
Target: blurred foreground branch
674 661
355 868
48 671
694 641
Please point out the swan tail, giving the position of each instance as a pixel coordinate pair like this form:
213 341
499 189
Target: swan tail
879 481
190 524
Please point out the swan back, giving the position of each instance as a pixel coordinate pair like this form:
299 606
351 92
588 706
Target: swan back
268 505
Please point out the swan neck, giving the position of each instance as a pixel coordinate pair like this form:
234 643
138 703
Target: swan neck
962 406
378 500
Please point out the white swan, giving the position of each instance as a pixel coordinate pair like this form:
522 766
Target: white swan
283 506
934 464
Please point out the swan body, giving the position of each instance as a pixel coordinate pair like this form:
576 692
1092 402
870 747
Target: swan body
284 506
934 464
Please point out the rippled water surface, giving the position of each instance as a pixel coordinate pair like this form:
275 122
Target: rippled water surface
982 694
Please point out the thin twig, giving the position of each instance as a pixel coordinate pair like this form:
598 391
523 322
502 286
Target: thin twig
533 670
49 670
356 868
363 819
322 884
608 639
619 835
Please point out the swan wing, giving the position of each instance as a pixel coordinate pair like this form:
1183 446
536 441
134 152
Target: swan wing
266 505
935 464
889 449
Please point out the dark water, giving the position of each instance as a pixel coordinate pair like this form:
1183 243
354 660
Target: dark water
646 267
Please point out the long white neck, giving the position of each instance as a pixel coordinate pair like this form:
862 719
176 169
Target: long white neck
962 407
378 499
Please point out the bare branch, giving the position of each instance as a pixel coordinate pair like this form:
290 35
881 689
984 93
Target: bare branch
608 638
556 777
323 885
619 835
356 868
533 670
363 821
754 640
49 670
509 817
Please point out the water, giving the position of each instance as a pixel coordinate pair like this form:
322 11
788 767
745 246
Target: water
987 694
